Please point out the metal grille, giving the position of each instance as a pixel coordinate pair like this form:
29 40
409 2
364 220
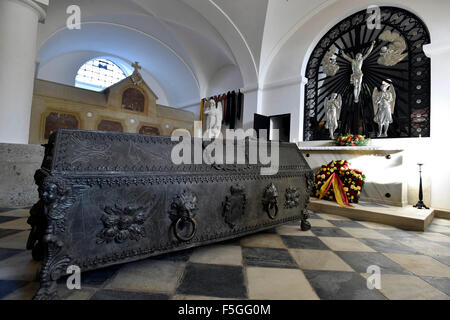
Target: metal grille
411 77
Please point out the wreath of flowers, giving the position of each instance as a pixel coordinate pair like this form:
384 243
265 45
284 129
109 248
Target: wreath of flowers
350 180
350 140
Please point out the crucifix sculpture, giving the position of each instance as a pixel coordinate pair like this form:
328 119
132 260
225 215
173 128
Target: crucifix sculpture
136 76
136 66
357 75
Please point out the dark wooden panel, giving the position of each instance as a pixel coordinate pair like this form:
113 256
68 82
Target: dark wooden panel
56 120
149 130
134 100
109 125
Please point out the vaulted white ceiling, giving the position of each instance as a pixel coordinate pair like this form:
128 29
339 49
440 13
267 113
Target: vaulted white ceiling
186 46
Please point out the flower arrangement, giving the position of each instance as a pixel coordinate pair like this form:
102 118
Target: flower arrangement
336 181
350 140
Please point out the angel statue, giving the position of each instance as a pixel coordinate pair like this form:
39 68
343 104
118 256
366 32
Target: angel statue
329 64
383 106
392 54
357 75
214 119
333 106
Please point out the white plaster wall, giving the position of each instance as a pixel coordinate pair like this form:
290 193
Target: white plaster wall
289 103
282 18
290 63
17 64
250 18
233 36
438 151
251 97
225 79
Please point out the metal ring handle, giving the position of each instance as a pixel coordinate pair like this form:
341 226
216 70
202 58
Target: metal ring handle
194 228
271 207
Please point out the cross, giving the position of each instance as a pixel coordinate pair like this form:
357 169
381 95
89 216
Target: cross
136 66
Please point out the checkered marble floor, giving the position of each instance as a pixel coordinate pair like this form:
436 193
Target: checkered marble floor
328 262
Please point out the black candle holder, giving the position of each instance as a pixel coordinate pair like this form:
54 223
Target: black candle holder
420 204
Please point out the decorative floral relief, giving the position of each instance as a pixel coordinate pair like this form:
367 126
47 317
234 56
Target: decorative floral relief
292 198
122 224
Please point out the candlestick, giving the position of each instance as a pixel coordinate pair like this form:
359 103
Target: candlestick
420 204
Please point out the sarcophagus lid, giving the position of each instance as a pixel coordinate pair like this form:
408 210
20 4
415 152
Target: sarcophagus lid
73 152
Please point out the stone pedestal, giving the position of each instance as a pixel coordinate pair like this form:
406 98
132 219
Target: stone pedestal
384 170
18 163
18 33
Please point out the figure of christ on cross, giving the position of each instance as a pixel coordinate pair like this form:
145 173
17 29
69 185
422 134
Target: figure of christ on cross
357 76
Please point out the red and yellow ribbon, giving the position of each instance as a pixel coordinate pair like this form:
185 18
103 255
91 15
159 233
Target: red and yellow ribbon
338 189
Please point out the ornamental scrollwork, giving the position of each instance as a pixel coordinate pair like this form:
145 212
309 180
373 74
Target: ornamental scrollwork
292 198
47 220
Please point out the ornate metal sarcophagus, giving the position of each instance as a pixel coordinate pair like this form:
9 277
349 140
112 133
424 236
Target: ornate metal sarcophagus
111 198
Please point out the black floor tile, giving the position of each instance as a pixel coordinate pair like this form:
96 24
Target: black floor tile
301 242
9 286
399 234
335 285
313 215
293 223
179 256
442 284
346 224
6 209
95 277
6 253
127 295
268 257
232 242
8 232
7 219
213 281
98 277
388 246
272 230
443 259
360 261
441 243
329 232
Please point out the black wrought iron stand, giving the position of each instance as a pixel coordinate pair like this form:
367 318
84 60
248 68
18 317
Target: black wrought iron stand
420 204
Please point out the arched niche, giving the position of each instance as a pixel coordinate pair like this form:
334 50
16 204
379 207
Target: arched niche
410 76
133 100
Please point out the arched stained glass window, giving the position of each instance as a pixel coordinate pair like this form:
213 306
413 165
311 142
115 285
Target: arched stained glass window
98 74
